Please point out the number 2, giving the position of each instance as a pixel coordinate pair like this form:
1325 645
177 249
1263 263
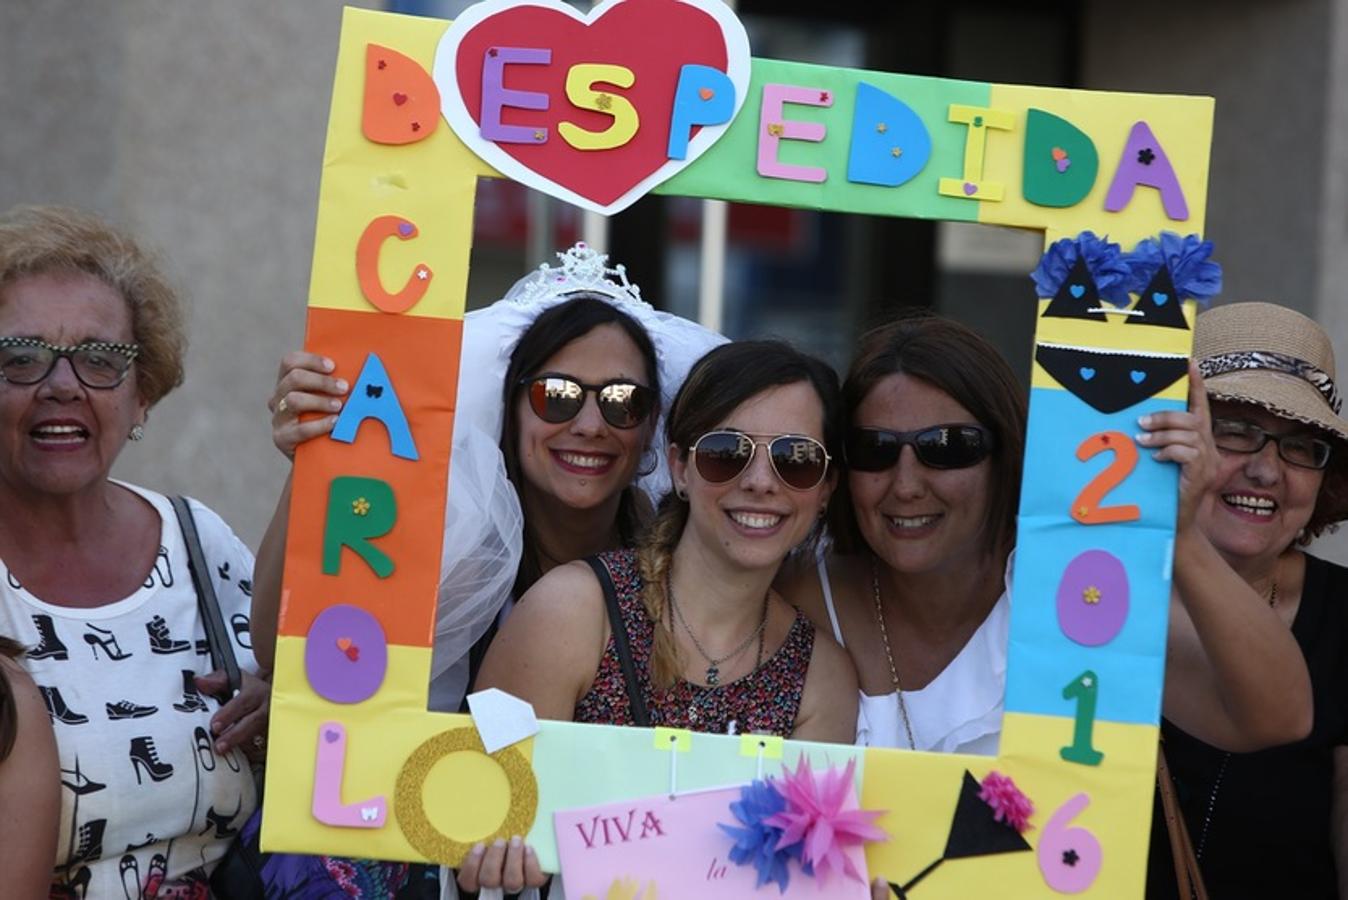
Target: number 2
1086 508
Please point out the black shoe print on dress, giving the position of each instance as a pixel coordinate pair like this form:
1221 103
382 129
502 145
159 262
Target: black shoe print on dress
242 628
131 885
161 641
223 569
162 571
191 702
76 887
80 783
246 585
149 839
205 752
50 647
90 844
57 709
125 709
144 756
203 647
13 582
105 640
221 824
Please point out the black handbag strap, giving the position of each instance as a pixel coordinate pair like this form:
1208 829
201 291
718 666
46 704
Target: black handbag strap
222 652
640 716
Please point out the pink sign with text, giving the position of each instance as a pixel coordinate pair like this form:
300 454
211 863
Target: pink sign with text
659 848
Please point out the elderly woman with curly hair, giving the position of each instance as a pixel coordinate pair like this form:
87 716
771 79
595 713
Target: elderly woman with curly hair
94 576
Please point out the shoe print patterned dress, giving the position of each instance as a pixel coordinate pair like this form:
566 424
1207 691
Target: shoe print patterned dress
147 805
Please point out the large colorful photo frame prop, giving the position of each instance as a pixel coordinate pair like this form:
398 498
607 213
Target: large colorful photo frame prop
661 95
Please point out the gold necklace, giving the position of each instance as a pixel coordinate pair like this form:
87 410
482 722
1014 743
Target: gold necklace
889 655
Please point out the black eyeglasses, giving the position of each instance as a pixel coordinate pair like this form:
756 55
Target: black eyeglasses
1298 448
937 447
557 398
800 462
97 364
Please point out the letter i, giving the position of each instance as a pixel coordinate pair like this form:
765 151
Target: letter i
328 772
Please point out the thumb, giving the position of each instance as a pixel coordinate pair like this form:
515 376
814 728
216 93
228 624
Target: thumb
212 682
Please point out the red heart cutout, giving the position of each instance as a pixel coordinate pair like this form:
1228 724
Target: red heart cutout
654 39
352 653
399 98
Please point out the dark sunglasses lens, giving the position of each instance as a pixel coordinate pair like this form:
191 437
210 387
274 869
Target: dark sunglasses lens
722 455
555 399
951 446
624 405
871 450
25 365
800 462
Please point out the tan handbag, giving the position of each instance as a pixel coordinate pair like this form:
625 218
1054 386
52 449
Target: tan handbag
1188 877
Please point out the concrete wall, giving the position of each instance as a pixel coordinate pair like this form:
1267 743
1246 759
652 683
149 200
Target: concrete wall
200 126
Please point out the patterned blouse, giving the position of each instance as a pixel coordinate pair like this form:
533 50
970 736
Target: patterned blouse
766 700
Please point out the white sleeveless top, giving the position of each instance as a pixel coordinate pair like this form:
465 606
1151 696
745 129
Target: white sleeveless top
960 711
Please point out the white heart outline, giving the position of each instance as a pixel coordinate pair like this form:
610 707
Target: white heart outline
444 73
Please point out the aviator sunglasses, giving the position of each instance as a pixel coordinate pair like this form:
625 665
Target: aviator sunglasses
937 447
800 462
557 398
97 364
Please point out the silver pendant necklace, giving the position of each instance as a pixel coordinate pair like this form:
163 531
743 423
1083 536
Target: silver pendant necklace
714 664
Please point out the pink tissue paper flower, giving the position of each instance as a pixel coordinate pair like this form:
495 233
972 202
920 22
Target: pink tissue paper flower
822 815
1008 804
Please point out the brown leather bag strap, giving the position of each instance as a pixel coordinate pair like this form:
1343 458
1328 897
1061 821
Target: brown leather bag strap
1188 876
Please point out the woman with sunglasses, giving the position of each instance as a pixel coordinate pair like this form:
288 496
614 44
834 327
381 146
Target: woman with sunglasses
712 646
93 575
1270 824
558 403
916 585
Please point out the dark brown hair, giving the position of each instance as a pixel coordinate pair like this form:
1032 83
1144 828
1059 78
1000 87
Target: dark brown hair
9 713
961 363
550 332
719 382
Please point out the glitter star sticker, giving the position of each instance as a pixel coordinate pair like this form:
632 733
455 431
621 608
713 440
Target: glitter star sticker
775 129
1070 858
360 506
1146 156
881 128
896 152
423 273
603 101
1091 595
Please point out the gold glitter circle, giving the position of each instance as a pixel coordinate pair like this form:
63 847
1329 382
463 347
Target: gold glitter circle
410 807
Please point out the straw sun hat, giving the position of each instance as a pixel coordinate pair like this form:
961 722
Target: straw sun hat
1276 358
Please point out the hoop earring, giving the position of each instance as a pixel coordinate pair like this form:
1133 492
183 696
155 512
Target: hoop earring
137 432
645 468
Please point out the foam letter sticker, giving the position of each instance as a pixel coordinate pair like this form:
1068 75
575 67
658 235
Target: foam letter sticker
1093 598
1144 162
1085 689
1086 508
496 96
358 509
367 266
1060 161
580 91
1069 856
402 103
705 96
345 654
972 186
890 144
774 127
373 397
328 770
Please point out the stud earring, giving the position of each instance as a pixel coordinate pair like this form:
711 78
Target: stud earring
681 493
137 432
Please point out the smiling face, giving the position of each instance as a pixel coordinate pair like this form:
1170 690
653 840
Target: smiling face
583 462
58 437
916 519
754 518
1260 501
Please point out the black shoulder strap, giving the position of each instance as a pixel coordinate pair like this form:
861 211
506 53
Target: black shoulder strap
222 653
640 716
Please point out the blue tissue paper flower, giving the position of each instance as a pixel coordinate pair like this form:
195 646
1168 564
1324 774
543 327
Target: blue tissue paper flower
756 842
1195 275
1104 259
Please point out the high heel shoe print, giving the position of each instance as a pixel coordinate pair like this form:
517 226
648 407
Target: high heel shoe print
78 886
221 823
105 640
145 756
81 784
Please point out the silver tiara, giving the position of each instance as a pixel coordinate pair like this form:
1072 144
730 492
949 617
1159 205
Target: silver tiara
583 269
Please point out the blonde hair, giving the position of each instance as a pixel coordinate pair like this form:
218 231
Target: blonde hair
51 240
